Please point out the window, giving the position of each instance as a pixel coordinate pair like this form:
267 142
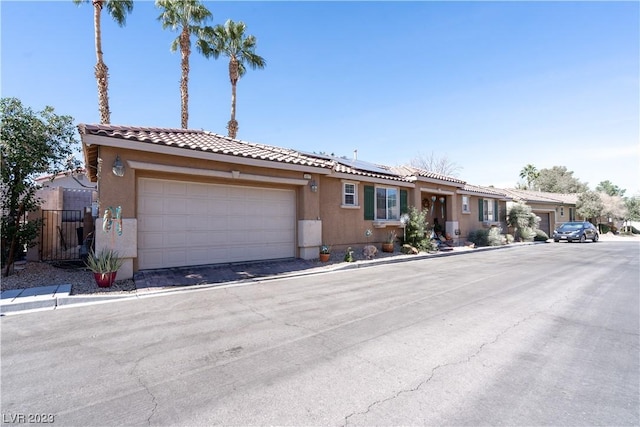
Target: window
572 214
349 194
384 204
561 211
387 206
465 204
488 210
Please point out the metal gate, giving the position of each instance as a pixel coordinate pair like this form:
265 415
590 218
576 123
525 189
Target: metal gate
61 235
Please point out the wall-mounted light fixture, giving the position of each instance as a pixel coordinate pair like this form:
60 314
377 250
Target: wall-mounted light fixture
118 167
441 199
314 186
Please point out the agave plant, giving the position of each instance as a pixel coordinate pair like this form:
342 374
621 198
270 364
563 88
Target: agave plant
105 261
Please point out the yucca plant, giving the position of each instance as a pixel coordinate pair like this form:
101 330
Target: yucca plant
105 261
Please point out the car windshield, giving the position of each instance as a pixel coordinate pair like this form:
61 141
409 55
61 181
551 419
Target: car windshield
570 227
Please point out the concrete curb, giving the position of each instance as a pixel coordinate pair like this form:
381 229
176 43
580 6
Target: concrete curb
57 296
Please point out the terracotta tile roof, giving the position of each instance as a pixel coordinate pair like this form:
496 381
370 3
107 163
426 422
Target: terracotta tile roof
489 191
541 196
200 140
412 171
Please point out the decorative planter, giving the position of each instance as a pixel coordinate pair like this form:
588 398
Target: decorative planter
325 257
105 280
387 247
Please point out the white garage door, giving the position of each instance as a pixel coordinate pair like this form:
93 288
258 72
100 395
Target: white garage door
186 223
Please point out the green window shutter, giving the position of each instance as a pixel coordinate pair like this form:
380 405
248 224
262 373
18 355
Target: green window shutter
404 208
369 202
480 213
496 217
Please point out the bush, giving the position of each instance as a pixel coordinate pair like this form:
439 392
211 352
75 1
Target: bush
415 230
508 238
527 234
523 220
540 236
494 238
487 237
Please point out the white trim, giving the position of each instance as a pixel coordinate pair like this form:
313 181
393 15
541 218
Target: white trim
350 206
133 164
354 194
90 140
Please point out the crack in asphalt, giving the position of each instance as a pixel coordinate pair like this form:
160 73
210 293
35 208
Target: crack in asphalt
444 365
154 401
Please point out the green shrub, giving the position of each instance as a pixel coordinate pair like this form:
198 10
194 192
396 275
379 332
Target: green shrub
527 234
523 220
540 236
415 230
494 237
508 238
487 237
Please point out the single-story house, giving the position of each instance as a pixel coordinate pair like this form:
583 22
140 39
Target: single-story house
552 208
179 197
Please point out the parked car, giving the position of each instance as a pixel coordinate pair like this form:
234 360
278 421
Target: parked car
577 230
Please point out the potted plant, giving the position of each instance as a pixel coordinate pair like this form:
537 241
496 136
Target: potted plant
325 253
104 265
387 246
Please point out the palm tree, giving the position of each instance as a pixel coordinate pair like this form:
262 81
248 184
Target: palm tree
187 16
118 9
530 174
229 40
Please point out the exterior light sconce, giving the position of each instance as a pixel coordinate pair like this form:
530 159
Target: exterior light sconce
314 186
118 167
441 199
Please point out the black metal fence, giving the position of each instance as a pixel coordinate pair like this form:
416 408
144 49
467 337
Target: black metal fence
61 235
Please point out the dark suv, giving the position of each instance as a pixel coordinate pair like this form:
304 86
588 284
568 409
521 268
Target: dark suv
577 230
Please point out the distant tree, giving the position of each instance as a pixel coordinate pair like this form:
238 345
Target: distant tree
440 165
610 189
186 16
32 143
633 208
559 180
589 205
529 173
118 10
614 207
230 40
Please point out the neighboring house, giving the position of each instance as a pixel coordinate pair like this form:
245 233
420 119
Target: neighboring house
552 208
190 197
65 197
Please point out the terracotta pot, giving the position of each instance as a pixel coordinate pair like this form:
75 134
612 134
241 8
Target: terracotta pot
105 280
387 247
325 257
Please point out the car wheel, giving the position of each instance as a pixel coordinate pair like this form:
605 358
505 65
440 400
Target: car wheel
595 238
583 238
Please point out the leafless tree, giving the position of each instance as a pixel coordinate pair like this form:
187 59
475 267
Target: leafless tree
432 163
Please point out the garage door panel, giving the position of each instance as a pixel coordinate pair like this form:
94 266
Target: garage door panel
185 223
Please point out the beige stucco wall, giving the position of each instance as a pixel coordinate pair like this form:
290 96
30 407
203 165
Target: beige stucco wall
114 191
470 221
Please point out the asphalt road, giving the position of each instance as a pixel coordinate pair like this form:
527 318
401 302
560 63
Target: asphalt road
536 335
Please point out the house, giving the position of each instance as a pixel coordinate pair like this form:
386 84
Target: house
179 197
552 208
65 197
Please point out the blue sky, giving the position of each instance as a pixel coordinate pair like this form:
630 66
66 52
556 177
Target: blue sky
493 86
